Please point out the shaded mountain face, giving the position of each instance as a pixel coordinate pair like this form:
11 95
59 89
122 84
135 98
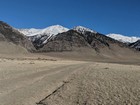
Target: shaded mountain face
41 38
9 34
105 45
77 37
88 43
67 41
38 40
135 45
71 39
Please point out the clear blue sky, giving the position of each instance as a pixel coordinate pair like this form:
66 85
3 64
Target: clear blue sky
104 16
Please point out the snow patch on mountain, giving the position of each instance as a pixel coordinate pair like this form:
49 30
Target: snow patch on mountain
123 38
29 32
52 30
83 30
43 35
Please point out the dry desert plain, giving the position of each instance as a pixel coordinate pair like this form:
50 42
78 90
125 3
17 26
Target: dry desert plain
54 81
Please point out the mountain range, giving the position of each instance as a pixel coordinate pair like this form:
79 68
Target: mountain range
39 37
55 29
60 39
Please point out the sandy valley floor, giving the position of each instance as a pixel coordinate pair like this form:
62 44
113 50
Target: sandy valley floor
61 82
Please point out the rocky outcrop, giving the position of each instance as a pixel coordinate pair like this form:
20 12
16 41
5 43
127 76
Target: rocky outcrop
98 41
135 45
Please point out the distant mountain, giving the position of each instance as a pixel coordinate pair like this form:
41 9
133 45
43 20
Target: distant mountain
40 36
51 30
66 41
9 34
83 30
77 37
123 38
60 39
88 41
135 45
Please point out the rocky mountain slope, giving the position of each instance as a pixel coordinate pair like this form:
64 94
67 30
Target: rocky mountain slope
85 40
10 35
135 45
66 41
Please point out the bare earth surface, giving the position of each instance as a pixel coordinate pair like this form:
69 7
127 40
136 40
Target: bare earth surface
61 82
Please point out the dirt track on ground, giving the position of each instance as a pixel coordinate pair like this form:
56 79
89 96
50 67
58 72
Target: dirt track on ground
99 84
27 82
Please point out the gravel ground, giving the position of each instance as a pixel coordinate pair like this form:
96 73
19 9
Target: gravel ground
65 82
99 84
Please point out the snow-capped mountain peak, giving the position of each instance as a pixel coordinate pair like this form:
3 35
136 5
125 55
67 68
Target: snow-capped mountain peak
54 29
43 35
122 38
51 30
82 29
29 32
